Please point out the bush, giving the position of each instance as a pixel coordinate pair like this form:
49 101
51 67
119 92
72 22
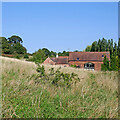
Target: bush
73 66
57 77
17 56
26 56
30 59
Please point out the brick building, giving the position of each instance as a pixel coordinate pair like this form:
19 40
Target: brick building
84 60
88 60
61 60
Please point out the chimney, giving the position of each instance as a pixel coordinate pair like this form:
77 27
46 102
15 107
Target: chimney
57 55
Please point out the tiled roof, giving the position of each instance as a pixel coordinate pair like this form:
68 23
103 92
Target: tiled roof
60 60
88 56
63 56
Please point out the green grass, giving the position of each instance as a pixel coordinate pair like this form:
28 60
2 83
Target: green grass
92 97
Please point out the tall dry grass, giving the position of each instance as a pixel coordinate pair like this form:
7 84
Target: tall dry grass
95 96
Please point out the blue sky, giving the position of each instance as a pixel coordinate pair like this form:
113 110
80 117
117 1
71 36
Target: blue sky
60 26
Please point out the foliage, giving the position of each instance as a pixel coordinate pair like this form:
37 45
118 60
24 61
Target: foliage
12 45
40 55
6 49
73 66
119 54
15 39
113 63
88 48
100 46
105 65
53 54
64 53
17 56
94 46
47 52
56 78
26 56
19 49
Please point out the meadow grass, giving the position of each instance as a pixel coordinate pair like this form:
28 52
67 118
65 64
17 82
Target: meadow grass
95 96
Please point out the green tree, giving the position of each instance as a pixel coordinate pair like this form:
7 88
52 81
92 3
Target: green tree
115 49
59 53
15 39
64 53
6 48
47 52
94 47
105 65
39 56
88 48
111 47
99 46
119 54
53 54
103 44
19 49
12 45
108 45
113 62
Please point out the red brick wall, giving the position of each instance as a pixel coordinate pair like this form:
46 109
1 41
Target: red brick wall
49 61
97 65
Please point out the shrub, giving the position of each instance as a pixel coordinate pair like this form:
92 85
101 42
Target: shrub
41 70
30 59
73 66
57 77
17 56
26 56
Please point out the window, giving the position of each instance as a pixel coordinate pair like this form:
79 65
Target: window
77 58
89 66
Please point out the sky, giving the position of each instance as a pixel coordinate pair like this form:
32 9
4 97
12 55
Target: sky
60 26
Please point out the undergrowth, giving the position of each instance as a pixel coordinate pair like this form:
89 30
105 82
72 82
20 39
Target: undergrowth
57 77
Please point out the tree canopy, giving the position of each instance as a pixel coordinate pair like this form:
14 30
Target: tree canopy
12 45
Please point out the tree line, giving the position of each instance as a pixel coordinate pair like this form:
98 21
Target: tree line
13 45
107 45
42 54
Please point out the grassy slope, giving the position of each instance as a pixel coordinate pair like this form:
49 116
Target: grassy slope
94 96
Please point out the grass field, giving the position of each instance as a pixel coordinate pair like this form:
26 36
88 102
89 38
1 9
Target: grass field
95 96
